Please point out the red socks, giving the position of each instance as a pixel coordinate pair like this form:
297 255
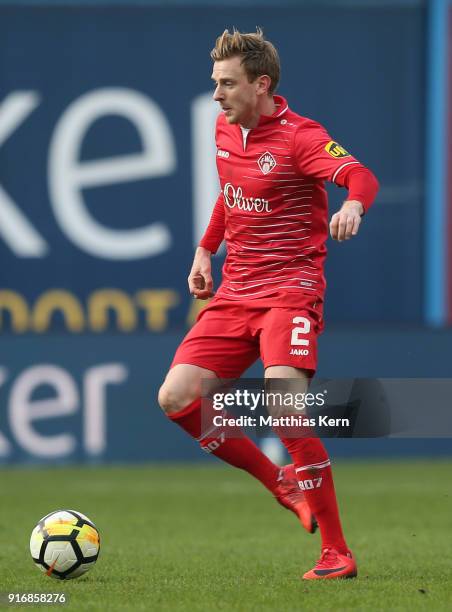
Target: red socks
315 479
225 443
311 461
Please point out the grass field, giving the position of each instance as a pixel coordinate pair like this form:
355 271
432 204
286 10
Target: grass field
211 538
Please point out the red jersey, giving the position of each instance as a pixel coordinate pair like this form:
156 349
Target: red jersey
273 209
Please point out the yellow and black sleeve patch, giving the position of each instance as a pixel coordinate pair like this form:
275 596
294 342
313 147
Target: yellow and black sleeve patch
335 150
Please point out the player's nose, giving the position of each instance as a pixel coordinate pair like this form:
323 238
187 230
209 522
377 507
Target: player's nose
218 95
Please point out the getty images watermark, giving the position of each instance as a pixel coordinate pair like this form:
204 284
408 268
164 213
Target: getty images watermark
339 408
282 409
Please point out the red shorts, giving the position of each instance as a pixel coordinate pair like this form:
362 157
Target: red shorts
229 336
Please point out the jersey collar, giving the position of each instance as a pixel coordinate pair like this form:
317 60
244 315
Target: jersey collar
281 108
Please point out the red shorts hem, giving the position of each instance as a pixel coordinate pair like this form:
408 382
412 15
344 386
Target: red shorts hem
198 364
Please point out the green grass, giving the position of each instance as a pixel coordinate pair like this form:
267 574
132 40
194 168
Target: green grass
211 538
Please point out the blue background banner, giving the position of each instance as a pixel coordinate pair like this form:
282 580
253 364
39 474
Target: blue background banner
92 400
107 174
107 181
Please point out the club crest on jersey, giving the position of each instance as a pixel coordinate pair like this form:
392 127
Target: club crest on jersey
335 150
266 162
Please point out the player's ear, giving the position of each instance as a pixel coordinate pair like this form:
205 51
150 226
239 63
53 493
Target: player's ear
263 83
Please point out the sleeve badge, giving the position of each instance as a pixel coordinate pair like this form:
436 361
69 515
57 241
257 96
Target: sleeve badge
335 150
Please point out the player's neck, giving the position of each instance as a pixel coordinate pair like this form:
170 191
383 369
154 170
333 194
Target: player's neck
266 106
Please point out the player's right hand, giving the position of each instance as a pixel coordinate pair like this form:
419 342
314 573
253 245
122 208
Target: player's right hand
200 281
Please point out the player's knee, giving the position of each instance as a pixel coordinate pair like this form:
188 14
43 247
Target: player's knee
182 386
168 400
173 399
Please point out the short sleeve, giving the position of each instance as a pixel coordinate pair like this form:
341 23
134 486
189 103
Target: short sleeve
318 155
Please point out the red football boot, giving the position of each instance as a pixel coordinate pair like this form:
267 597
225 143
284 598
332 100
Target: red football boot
333 564
289 495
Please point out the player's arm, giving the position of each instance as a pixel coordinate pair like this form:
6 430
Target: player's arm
200 282
322 158
362 188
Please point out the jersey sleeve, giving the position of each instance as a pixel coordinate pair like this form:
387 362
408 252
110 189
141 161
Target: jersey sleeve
361 183
318 155
214 234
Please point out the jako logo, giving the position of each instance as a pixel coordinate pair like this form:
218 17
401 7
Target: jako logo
224 154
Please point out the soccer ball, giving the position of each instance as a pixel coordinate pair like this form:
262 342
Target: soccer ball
65 544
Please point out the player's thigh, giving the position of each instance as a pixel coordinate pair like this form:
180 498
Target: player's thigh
288 342
299 375
220 341
183 384
288 383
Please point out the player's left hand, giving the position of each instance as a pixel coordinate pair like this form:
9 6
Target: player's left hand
345 223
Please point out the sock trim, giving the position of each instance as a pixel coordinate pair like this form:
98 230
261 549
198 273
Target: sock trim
187 410
207 433
315 466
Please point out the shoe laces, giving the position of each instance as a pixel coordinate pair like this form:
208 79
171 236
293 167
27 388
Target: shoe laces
289 488
328 558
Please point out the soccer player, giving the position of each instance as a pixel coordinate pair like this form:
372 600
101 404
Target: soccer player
272 212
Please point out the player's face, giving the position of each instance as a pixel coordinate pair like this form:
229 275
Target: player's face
237 97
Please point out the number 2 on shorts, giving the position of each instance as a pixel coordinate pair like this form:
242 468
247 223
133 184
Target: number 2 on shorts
296 340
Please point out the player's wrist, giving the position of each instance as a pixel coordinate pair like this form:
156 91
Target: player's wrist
200 250
354 205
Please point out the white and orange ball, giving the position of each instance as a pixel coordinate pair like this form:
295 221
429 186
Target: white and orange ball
65 544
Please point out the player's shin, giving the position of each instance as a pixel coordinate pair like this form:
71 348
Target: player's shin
315 479
229 444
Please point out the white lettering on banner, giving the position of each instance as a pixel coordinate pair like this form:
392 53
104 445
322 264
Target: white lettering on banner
234 197
15 229
206 187
5 446
68 176
95 389
24 410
